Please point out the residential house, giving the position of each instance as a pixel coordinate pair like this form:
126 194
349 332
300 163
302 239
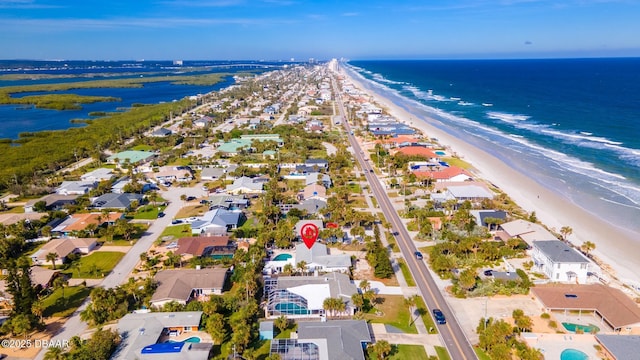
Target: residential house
245 185
76 187
318 259
524 230
184 285
317 164
303 296
228 202
52 202
171 174
419 151
212 173
203 121
199 246
313 191
333 339
133 157
161 132
471 192
122 201
79 222
615 308
12 218
234 147
315 177
217 221
142 335
42 277
62 248
619 347
99 174
559 262
449 173
481 217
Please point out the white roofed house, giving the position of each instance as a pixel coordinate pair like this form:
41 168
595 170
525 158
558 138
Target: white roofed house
318 259
245 185
560 262
303 296
76 187
218 221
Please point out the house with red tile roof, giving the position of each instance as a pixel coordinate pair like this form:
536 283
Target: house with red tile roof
205 246
421 151
447 173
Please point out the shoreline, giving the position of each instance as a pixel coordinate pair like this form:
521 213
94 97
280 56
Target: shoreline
615 247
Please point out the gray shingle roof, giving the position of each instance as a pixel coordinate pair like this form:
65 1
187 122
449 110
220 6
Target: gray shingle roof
621 346
344 337
559 252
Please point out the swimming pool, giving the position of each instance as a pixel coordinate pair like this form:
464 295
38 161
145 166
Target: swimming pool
441 153
282 257
573 354
587 329
193 339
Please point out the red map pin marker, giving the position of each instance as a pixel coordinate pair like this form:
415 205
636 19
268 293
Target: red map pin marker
309 234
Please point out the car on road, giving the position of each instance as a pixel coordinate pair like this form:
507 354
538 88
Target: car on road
191 198
160 214
488 272
176 221
418 255
438 316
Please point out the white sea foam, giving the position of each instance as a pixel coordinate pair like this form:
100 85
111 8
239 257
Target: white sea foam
615 183
506 117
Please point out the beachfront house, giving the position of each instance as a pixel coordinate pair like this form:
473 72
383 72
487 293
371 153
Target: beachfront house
559 262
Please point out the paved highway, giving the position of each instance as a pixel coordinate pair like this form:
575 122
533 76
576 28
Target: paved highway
452 335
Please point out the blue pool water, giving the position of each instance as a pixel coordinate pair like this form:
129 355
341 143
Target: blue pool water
193 339
282 257
292 309
441 153
573 354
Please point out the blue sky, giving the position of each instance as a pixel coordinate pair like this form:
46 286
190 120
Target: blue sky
283 29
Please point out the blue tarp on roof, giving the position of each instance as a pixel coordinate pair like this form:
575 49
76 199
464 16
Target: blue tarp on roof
163 348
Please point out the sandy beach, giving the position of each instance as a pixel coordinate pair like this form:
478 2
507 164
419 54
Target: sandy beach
618 248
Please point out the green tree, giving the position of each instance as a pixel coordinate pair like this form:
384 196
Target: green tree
52 257
382 348
565 231
216 327
282 323
60 282
587 247
467 279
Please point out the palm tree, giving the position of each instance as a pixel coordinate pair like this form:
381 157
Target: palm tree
287 269
365 286
302 266
566 231
52 257
411 303
59 283
382 349
587 247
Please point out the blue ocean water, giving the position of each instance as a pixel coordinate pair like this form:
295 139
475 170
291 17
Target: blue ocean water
573 125
16 119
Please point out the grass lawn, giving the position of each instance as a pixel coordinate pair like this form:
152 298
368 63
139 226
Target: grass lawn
442 353
148 212
176 231
481 354
192 210
355 188
413 352
426 316
406 273
94 266
142 148
457 162
55 306
393 312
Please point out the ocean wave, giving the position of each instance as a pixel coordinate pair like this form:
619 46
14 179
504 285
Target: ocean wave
506 117
561 160
579 137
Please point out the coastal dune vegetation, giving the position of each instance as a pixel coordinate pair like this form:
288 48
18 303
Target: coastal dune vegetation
34 155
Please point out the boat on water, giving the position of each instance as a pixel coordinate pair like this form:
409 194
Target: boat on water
487 104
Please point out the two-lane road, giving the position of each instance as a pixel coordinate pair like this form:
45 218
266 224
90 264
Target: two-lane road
452 335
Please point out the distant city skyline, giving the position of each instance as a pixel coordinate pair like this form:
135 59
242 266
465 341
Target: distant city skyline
285 29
